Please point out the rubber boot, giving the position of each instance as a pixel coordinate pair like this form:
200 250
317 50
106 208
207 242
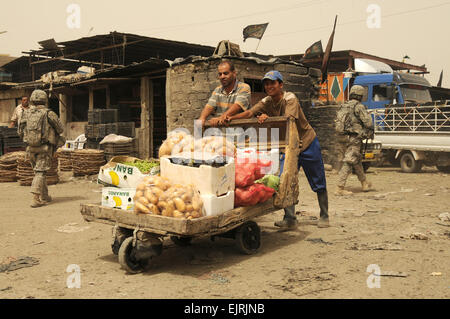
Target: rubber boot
366 186
289 220
341 191
36 202
322 197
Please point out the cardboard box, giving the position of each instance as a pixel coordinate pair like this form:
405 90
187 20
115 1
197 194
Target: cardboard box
120 198
207 179
117 174
215 205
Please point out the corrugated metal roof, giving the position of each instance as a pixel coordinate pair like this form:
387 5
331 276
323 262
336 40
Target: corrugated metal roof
5 59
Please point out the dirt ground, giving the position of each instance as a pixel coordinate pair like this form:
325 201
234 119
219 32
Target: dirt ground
374 228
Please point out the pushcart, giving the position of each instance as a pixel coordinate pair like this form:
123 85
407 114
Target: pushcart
138 238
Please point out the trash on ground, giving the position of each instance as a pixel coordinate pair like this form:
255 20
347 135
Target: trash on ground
12 263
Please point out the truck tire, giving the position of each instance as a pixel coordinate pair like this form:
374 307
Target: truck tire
409 164
443 169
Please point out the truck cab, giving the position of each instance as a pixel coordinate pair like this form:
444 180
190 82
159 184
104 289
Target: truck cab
393 88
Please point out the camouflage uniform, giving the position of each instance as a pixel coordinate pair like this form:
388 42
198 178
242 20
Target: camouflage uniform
41 157
349 145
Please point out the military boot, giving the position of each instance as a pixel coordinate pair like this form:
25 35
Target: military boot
341 191
366 186
36 202
46 199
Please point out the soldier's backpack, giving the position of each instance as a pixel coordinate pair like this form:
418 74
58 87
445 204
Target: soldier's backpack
36 129
343 121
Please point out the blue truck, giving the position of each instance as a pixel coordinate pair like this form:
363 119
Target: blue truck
413 129
393 88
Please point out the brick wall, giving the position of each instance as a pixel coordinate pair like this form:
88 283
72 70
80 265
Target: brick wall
321 119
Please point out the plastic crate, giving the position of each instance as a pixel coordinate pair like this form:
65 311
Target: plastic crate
126 129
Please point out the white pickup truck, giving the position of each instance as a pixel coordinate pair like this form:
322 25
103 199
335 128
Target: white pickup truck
415 134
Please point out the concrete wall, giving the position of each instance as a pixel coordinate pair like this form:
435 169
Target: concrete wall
321 119
189 86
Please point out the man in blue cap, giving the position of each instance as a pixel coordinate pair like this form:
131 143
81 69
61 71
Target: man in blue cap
281 103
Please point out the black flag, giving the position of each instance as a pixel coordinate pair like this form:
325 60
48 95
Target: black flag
255 31
326 57
313 51
439 84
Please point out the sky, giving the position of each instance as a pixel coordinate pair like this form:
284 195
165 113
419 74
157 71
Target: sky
389 29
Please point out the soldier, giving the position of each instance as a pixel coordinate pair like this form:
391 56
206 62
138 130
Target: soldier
41 129
353 125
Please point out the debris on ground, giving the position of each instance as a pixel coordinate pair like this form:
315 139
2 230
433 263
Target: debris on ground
392 274
72 228
375 246
436 274
319 241
419 236
12 263
445 217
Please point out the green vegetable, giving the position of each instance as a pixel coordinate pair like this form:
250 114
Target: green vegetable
144 166
271 181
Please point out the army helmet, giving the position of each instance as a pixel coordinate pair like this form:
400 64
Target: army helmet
39 97
357 90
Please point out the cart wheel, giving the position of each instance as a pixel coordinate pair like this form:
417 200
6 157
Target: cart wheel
248 238
127 259
181 241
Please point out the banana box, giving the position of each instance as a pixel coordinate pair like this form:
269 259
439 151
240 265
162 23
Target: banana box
120 198
117 174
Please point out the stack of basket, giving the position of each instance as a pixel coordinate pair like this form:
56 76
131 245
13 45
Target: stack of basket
87 162
8 166
117 149
25 173
64 156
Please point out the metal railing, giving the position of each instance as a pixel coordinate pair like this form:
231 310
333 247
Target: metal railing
430 117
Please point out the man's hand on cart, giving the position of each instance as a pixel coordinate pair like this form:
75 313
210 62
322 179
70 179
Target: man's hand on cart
262 118
214 121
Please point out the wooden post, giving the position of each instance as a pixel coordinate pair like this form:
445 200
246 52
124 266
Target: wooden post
108 97
63 109
91 98
146 131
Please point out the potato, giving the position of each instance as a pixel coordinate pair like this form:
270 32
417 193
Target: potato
141 187
141 208
143 200
186 197
179 204
154 209
189 208
196 203
170 207
196 214
162 205
178 214
139 194
150 196
157 191
167 213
